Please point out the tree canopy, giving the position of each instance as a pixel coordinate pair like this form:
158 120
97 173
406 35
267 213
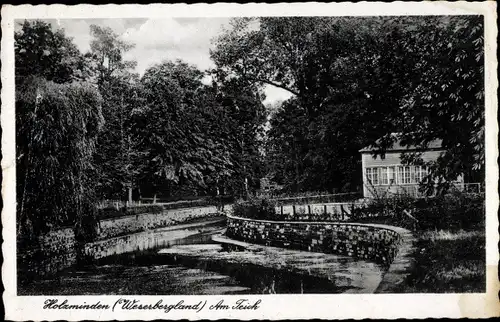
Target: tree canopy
358 79
90 128
58 120
42 52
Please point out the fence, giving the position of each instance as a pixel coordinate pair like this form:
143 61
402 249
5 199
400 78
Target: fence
413 190
330 198
117 204
469 187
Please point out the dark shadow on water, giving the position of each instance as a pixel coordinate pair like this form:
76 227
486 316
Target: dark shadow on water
147 272
259 279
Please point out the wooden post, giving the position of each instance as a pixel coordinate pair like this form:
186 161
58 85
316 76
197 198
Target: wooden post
281 210
293 207
324 206
309 209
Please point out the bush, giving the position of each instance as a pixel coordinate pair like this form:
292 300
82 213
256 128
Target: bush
111 212
149 209
256 208
452 211
389 206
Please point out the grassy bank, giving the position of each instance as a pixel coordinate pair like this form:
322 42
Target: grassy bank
447 261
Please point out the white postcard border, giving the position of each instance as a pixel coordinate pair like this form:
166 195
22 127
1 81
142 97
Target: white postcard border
387 306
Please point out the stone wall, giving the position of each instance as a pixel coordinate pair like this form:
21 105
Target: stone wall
146 240
131 224
57 249
379 243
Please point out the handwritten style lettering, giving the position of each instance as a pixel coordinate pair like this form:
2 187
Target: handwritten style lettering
134 304
53 304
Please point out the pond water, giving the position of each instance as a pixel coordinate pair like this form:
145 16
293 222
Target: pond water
188 261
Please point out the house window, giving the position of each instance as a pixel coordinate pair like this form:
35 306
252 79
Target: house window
392 175
369 175
375 176
383 176
421 173
400 175
395 175
413 175
407 175
372 174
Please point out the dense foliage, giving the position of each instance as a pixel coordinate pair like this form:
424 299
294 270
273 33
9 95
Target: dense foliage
355 80
256 208
57 128
58 120
451 211
89 128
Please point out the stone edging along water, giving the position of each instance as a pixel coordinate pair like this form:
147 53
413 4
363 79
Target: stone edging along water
58 249
387 245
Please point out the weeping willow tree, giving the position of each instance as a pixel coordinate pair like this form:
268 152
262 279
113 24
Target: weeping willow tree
57 127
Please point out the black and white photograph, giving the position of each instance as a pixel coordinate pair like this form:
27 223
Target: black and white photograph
249 156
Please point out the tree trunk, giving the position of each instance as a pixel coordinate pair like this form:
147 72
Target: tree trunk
246 187
130 194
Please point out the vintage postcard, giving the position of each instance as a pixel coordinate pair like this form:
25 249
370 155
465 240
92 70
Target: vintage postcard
250 161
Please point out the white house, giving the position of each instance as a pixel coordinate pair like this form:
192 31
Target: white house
389 175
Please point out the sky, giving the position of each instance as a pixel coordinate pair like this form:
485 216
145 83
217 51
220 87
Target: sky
157 40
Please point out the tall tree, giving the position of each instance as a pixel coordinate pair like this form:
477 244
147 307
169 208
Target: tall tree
41 51
108 50
246 114
312 59
164 125
58 119
383 74
119 88
447 102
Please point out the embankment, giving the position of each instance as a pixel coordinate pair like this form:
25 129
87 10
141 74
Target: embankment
58 249
387 245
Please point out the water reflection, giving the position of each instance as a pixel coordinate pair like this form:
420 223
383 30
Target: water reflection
133 265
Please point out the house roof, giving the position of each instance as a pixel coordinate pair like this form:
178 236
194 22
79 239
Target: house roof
397 146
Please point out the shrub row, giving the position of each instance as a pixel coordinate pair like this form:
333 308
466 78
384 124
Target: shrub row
451 211
111 212
256 208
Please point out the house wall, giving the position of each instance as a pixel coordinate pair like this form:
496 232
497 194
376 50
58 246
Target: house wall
391 159
394 158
